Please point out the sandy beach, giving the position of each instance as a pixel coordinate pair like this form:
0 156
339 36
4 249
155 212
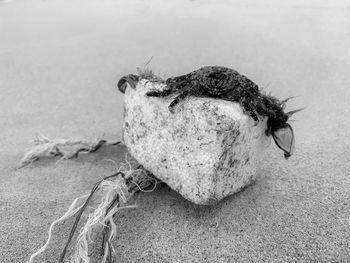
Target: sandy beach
59 65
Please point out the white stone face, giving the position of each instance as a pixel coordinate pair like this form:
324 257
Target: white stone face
206 150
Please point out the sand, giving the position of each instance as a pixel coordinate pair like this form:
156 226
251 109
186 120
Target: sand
59 64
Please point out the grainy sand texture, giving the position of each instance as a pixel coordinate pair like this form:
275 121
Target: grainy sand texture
59 65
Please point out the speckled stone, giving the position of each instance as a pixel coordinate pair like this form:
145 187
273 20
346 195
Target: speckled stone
208 149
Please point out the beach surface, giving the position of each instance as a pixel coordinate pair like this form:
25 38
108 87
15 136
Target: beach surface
59 65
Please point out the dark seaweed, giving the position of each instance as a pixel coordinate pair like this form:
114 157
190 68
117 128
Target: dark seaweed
227 84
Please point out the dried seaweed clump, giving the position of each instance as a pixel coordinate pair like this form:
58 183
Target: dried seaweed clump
149 75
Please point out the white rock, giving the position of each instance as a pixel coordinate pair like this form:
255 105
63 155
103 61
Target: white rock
208 149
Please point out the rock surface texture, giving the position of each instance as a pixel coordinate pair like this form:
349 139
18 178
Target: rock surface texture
206 150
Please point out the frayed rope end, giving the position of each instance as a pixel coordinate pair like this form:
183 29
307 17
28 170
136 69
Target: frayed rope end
116 189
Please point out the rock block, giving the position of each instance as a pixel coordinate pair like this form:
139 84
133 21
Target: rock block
206 150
